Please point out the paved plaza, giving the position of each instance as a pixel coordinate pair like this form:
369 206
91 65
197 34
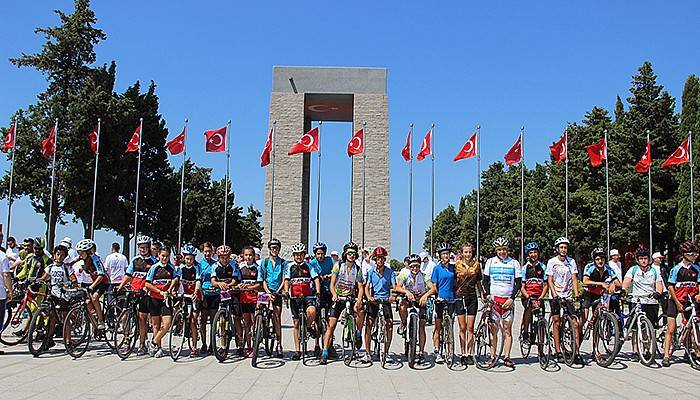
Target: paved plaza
101 375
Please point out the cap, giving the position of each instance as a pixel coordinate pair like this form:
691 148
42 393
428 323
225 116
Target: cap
614 252
334 253
257 251
656 255
423 254
67 240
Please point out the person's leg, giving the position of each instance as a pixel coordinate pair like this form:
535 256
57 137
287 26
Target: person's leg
403 312
525 324
369 320
248 320
670 330
98 307
462 321
193 330
507 335
555 333
389 321
332 322
470 333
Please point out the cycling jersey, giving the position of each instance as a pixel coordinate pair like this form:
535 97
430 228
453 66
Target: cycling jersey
644 282
502 274
249 276
273 273
189 276
324 267
301 276
206 271
416 284
534 276
606 275
443 277
93 267
60 279
138 271
381 284
161 276
684 279
467 275
33 267
227 273
346 280
562 272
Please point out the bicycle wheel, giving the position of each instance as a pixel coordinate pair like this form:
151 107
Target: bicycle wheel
412 342
607 339
125 333
17 319
37 336
448 341
76 331
258 333
691 344
544 347
646 340
348 341
270 334
488 345
302 334
567 340
176 336
524 346
221 334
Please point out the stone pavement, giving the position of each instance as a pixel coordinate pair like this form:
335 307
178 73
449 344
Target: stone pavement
101 375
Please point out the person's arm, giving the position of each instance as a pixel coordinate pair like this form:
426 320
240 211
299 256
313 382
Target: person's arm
574 279
7 281
334 294
550 284
432 289
627 283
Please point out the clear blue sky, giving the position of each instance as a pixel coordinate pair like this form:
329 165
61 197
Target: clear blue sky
538 64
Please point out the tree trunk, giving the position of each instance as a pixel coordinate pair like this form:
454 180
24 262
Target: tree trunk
126 248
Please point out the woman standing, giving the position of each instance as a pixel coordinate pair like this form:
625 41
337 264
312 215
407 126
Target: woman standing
468 278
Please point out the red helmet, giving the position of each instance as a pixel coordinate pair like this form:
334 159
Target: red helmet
688 247
379 252
223 250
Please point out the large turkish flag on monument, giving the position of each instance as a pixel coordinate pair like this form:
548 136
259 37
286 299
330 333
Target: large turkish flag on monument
308 143
216 140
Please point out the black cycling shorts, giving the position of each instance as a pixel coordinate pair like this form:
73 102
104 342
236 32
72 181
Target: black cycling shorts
373 310
672 311
297 304
210 302
468 305
248 308
440 307
556 307
143 304
158 308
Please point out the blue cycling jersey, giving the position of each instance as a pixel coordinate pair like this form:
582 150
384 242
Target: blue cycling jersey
443 278
272 272
381 284
324 267
206 272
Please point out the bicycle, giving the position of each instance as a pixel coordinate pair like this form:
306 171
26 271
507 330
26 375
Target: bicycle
348 338
605 327
568 331
447 336
181 328
689 335
411 333
126 329
539 331
80 326
486 338
263 328
18 314
223 329
638 327
303 329
379 335
429 308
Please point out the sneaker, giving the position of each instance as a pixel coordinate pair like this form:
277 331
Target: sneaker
278 353
49 344
158 353
152 347
194 353
634 358
508 363
203 349
332 353
666 362
101 326
142 351
464 360
249 353
525 338
578 359
296 356
559 357
324 357
439 359
240 352
401 330
420 359
470 360
366 358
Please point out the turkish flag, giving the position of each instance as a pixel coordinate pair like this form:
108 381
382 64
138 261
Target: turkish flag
92 137
308 143
9 139
598 152
559 151
177 144
645 163
680 156
468 150
425 147
406 151
135 141
265 157
48 145
216 140
515 154
357 143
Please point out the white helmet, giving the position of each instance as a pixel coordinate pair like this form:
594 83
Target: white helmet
501 242
85 245
561 240
143 239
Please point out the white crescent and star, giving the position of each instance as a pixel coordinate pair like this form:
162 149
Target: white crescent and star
216 139
306 138
468 147
93 138
322 108
357 140
681 154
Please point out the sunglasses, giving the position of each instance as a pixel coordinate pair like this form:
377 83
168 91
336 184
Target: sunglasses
694 254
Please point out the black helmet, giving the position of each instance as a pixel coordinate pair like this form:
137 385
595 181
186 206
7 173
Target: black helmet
350 246
274 242
598 252
642 252
443 247
414 258
688 247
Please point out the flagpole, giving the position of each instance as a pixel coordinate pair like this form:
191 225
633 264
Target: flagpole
410 186
182 188
12 171
607 193
478 188
651 234
566 186
228 176
138 181
522 195
272 189
318 190
94 185
49 238
364 192
432 161
352 188
692 194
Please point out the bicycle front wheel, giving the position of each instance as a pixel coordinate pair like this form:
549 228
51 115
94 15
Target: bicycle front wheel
544 347
448 341
567 333
646 341
412 339
17 319
607 339
691 343
488 346
258 333
37 337
125 333
348 341
221 334
76 331
176 336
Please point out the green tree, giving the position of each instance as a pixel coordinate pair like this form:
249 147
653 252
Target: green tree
447 228
690 122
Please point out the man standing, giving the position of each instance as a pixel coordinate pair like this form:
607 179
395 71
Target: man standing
335 256
72 256
115 265
615 263
12 251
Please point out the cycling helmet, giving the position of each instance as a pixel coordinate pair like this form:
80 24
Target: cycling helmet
299 248
598 252
688 247
642 252
143 239
274 242
414 258
500 242
189 250
60 247
320 245
407 259
350 247
85 245
39 242
532 246
158 244
379 252
443 247
223 250
561 240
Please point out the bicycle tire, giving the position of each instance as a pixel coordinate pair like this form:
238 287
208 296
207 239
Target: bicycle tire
524 347
448 341
382 339
348 341
607 337
302 334
691 342
14 321
125 333
646 341
567 340
176 335
221 334
270 335
412 339
483 341
544 345
258 334
76 331
37 335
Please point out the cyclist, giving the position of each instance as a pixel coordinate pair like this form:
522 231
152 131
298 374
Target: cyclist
535 286
442 284
136 275
92 265
324 266
380 282
191 281
598 278
249 293
161 282
502 281
226 276
414 285
61 278
35 260
346 281
272 272
403 306
562 280
210 295
683 289
468 288
299 279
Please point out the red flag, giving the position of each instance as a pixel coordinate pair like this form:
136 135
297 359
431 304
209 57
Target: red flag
265 157
357 143
48 145
559 151
406 151
645 163
177 144
308 143
425 147
468 150
92 137
216 140
597 152
9 139
680 156
134 142
515 154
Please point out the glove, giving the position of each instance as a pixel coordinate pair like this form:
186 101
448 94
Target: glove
656 296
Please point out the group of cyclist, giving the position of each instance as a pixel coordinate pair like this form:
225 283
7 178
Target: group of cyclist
316 282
